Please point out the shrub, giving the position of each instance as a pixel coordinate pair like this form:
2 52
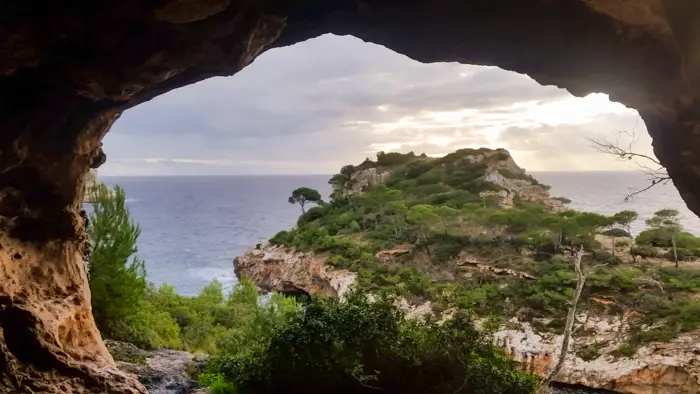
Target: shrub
644 251
625 349
617 232
148 328
216 383
360 346
314 213
662 239
394 158
606 258
589 352
682 253
117 277
283 238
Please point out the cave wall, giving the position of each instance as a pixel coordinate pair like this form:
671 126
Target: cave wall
67 69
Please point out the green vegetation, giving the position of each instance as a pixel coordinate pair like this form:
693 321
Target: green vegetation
434 208
359 346
356 346
464 253
117 276
128 309
304 195
666 222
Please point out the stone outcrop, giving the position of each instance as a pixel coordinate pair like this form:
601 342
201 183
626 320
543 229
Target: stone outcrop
668 368
68 70
361 181
516 183
660 368
161 371
90 182
274 267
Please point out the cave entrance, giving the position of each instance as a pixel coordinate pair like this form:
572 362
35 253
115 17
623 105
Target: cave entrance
67 72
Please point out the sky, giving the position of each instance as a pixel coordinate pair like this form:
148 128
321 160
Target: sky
318 105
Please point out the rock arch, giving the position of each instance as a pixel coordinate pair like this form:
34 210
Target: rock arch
67 69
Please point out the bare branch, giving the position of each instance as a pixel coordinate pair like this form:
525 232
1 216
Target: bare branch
656 173
666 179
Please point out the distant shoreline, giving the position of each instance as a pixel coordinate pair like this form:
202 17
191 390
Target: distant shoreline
328 175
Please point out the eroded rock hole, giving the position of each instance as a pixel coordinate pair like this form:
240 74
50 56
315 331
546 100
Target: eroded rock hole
20 332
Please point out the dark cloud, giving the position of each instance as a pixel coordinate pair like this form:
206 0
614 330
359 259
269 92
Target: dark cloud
317 105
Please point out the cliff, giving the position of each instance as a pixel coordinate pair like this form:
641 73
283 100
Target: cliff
658 368
429 230
274 267
494 168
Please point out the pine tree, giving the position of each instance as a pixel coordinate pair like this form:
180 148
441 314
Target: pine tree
117 277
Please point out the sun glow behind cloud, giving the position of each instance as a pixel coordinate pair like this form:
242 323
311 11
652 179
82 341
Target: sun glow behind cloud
330 101
470 127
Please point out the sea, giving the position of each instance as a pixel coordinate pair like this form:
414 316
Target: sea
193 226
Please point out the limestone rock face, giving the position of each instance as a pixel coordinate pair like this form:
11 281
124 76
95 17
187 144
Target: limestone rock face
361 181
275 267
666 368
90 182
68 70
504 172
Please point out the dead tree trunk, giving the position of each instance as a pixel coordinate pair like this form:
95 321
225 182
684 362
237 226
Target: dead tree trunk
675 251
570 318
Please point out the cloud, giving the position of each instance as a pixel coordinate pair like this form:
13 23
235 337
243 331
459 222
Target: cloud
326 102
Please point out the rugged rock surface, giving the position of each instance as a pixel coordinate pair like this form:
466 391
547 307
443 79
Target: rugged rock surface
274 267
668 368
68 69
161 371
504 172
660 368
360 182
90 182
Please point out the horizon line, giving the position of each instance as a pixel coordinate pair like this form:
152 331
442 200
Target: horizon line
330 174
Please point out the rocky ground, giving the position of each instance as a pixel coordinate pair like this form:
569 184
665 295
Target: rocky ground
161 371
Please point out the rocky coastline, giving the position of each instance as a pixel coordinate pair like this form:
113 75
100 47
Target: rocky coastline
606 354
659 368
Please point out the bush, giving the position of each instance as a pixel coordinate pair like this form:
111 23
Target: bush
606 258
644 251
314 213
625 349
394 158
360 346
149 328
445 247
589 352
682 253
283 238
216 383
617 232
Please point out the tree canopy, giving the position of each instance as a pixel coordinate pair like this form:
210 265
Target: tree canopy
304 195
117 277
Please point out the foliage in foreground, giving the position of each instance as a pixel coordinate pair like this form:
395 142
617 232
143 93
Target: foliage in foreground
117 277
359 346
126 309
